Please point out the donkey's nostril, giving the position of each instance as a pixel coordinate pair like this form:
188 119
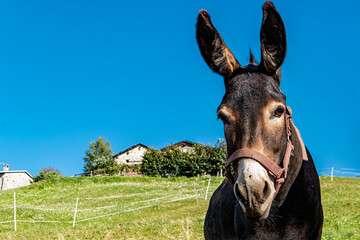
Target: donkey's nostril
240 192
267 190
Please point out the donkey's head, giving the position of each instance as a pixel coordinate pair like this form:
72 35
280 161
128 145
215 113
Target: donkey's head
253 108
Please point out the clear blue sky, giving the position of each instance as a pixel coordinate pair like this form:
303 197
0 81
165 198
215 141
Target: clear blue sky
71 71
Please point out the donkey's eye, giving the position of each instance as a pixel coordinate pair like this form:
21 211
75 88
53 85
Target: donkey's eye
225 115
279 111
223 118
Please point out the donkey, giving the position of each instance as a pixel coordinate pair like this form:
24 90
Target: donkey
274 190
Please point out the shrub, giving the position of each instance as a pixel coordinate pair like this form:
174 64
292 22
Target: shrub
129 168
152 162
47 174
173 162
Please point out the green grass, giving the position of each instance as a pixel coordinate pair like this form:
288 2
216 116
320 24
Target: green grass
341 204
159 218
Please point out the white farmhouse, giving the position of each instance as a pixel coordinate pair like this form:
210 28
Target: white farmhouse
184 146
14 179
134 155
131 156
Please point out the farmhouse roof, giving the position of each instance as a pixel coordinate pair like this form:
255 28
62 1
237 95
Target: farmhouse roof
130 148
16 171
180 144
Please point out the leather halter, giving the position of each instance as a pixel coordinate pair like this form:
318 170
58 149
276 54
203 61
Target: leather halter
280 173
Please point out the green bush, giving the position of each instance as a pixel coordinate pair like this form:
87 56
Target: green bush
129 168
109 167
48 173
204 160
152 162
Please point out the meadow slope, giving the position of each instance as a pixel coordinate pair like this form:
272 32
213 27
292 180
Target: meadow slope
144 208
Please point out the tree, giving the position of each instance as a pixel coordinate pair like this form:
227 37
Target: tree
99 157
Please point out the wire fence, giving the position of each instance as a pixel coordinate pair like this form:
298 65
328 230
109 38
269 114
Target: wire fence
72 210
339 172
37 208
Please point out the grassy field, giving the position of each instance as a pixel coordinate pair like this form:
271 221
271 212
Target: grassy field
341 205
144 208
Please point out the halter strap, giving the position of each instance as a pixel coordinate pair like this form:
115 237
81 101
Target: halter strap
279 173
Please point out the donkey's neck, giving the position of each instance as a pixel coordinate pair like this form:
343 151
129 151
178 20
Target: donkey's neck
302 186
295 165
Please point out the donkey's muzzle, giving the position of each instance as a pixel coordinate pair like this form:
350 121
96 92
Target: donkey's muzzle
254 189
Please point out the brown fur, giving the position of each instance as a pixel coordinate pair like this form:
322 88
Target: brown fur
252 116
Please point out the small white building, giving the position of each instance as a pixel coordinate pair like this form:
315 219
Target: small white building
14 179
131 156
184 146
134 155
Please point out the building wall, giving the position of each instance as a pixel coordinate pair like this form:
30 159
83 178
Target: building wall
132 157
12 180
187 149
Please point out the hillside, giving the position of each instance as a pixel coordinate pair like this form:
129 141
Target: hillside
143 208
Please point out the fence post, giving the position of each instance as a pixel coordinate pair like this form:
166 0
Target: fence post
77 200
332 173
207 189
196 195
15 210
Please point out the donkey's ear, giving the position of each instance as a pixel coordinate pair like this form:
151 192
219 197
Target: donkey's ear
212 47
273 40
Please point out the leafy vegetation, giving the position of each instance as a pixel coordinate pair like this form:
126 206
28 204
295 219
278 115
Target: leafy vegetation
204 160
55 200
126 168
99 158
47 174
